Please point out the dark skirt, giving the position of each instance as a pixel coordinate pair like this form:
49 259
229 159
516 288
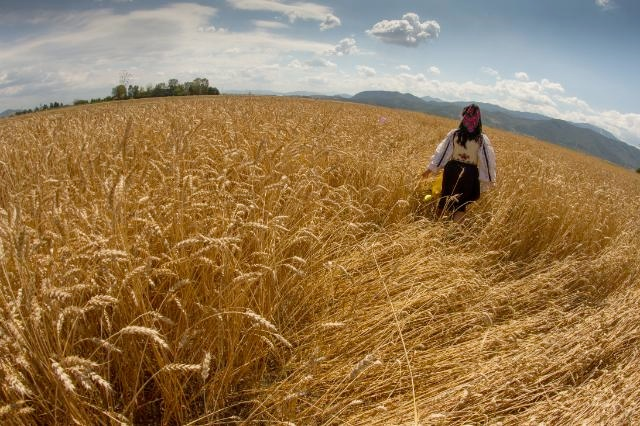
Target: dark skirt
460 180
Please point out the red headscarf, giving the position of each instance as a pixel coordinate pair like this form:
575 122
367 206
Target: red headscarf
471 117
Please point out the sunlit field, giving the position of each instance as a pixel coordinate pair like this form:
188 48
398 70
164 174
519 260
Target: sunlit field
257 260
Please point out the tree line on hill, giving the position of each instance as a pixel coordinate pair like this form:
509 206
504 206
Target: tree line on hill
42 107
123 91
199 86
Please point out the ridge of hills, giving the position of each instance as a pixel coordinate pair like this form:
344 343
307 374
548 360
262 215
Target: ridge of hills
8 112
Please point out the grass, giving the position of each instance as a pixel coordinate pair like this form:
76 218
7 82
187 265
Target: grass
268 260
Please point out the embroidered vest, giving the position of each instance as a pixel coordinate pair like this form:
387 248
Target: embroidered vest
468 154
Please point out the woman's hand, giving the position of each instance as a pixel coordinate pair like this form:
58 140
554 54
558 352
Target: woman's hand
426 174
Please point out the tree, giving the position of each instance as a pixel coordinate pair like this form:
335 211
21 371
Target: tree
160 90
199 86
133 91
125 78
119 92
186 88
638 170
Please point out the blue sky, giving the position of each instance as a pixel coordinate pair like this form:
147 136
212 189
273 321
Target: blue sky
570 59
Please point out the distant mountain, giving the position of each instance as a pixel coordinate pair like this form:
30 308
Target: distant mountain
299 93
390 99
597 129
586 138
302 93
253 92
431 99
8 112
496 108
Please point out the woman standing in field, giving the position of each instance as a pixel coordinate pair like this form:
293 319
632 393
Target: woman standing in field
467 157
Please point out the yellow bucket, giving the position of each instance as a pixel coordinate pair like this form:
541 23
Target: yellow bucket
436 188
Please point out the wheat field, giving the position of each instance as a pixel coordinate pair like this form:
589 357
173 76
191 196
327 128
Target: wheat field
258 260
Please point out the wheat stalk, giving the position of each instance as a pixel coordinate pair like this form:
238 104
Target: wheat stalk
137 330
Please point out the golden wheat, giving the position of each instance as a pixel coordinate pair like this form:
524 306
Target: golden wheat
265 260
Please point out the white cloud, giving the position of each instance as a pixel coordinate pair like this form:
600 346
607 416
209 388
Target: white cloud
269 25
522 76
605 4
403 68
296 64
320 63
211 29
434 70
408 31
549 85
365 71
624 126
574 102
490 71
318 81
330 21
346 46
417 78
293 11
12 91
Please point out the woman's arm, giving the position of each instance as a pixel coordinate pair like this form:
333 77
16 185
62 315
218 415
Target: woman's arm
442 154
487 162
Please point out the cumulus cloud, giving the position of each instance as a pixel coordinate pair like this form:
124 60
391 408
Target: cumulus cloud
346 46
522 76
434 70
605 4
574 102
403 68
408 31
412 78
549 85
490 71
293 11
365 71
330 21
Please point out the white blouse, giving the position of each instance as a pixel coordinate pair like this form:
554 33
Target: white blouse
481 154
